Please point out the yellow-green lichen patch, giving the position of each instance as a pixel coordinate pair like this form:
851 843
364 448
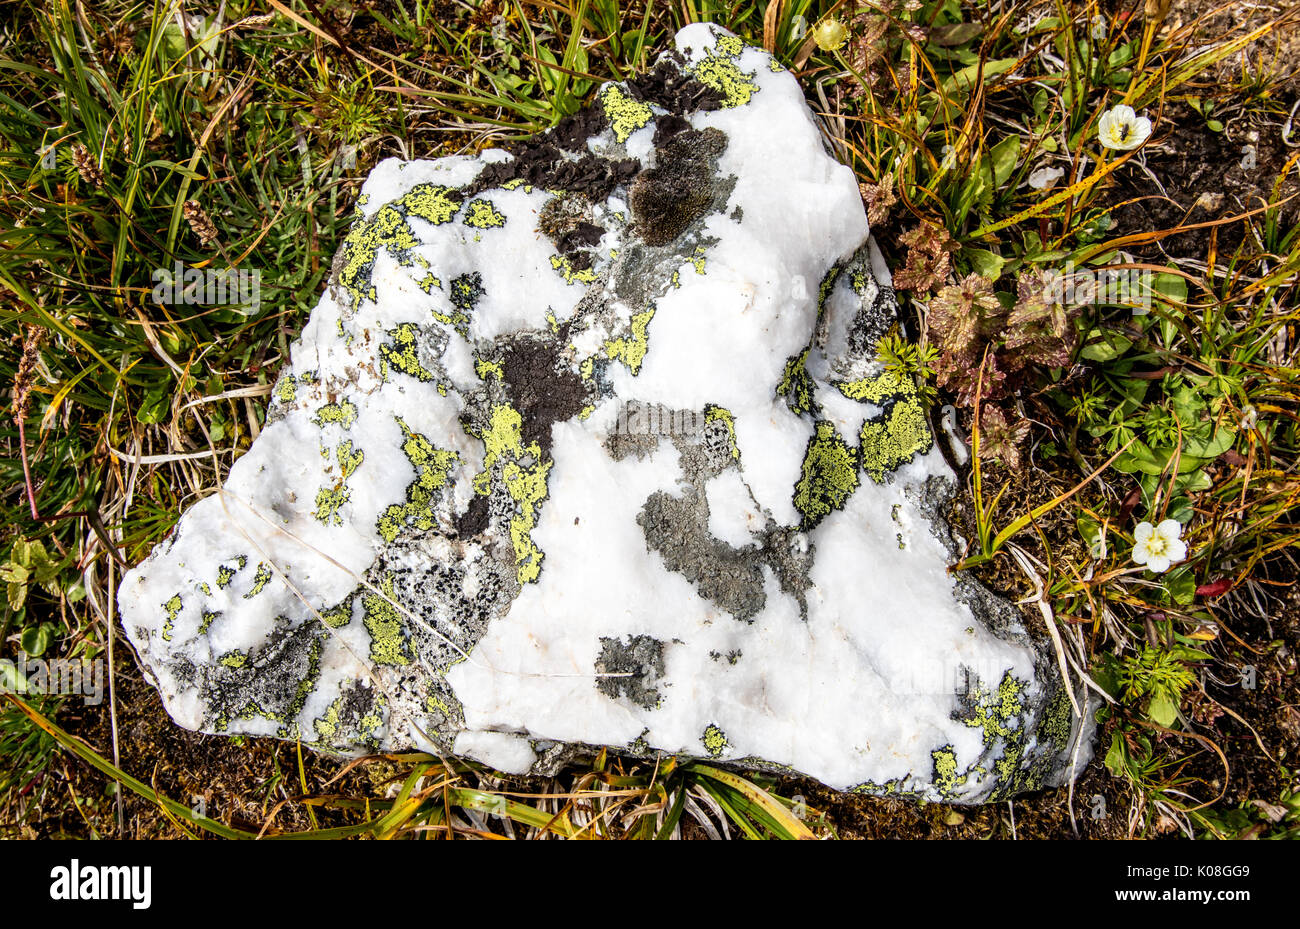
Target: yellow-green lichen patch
775 66
342 413
571 276
878 389
698 259
402 353
430 202
387 639
946 778
632 351
714 741
826 288
503 446
429 283
226 573
432 470
328 725
349 458
339 615
828 476
173 609
287 389
718 414
886 445
721 73
481 214
797 384
625 113
260 580
464 293
329 500
729 45
235 659
486 368
997 714
353 718
388 229
208 618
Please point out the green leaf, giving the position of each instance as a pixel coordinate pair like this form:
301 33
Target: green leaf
1181 584
1117 756
1163 710
17 595
155 407
36 639
985 263
13 573
1110 346
1005 155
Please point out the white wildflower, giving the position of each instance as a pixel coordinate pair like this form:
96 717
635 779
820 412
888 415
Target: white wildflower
1045 178
1098 29
1249 417
1122 129
1158 547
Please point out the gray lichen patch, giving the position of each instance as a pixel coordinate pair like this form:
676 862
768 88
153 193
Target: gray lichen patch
677 528
631 668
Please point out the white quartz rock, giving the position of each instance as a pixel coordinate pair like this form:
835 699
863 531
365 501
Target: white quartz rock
588 445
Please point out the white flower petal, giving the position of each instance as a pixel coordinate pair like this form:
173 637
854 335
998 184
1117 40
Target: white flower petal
1143 532
1170 529
1159 564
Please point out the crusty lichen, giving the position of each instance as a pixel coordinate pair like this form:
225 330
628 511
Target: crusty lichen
632 351
388 645
890 443
402 353
828 476
481 214
522 470
173 609
625 113
715 741
433 467
720 71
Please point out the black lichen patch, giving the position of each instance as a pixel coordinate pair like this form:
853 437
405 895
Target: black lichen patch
668 126
573 132
669 85
540 387
543 164
639 660
465 292
475 518
680 189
